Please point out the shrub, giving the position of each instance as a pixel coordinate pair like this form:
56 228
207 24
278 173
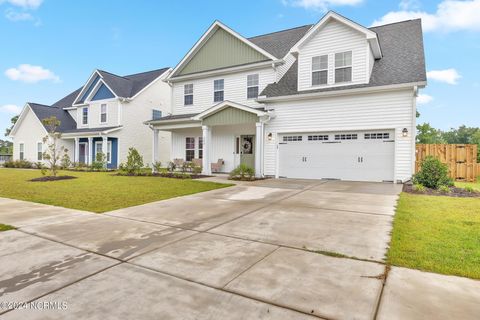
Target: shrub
24 164
134 163
100 162
444 189
157 166
171 166
242 172
469 189
181 175
197 170
433 174
419 187
65 162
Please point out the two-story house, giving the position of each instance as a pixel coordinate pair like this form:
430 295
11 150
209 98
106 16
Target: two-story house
331 100
105 115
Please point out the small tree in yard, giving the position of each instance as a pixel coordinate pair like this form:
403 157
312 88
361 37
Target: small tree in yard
100 162
134 162
54 152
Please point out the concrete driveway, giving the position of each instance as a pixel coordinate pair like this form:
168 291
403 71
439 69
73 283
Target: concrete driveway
273 249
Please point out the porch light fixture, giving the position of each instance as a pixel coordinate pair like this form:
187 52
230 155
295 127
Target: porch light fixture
270 137
405 132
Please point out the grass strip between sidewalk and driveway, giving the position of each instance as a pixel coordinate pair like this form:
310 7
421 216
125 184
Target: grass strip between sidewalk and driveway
437 234
96 191
6 227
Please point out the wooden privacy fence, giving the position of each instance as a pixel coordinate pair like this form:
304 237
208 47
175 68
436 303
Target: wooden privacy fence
460 158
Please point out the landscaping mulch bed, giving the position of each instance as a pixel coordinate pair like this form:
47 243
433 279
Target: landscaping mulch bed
174 175
454 192
52 178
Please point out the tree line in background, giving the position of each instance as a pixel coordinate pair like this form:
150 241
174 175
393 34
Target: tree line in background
426 134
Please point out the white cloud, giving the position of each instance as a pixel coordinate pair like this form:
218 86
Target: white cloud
25 4
13 15
30 74
409 4
423 98
450 76
320 5
451 15
10 108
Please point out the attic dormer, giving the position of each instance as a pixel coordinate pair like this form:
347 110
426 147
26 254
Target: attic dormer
335 52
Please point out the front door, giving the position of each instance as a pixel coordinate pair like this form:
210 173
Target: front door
82 153
247 150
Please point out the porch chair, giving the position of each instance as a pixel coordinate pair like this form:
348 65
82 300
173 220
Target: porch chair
197 162
178 163
217 166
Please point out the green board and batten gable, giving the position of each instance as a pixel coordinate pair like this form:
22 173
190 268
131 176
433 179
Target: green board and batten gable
222 50
230 116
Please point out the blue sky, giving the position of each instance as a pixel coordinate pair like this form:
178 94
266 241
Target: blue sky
50 47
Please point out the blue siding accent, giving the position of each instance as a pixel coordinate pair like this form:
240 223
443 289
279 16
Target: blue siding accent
85 95
103 93
114 155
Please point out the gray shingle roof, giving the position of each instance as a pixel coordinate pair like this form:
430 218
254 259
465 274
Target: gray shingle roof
100 129
43 112
279 43
176 117
403 61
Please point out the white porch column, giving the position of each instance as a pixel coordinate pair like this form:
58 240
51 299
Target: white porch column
104 147
90 151
155 148
77 150
258 149
206 163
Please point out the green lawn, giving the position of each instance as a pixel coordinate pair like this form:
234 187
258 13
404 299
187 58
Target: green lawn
438 234
96 191
5 227
474 185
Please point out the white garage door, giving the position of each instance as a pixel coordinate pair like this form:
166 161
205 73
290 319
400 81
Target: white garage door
356 156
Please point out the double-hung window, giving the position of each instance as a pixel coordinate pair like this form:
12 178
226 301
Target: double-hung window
85 116
103 113
189 148
21 147
99 150
218 90
39 151
188 94
319 70
343 67
200 147
252 86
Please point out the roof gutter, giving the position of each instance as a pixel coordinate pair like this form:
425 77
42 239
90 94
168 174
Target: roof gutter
305 96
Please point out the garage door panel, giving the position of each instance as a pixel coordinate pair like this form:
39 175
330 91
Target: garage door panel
357 159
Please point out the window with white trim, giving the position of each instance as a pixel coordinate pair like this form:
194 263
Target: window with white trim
292 138
346 136
343 67
39 151
21 148
218 90
319 70
318 137
103 113
156 114
188 94
99 150
252 86
189 148
381 135
109 151
85 116
200 147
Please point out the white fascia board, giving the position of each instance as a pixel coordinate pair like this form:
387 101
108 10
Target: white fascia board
225 104
23 114
162 77
85 87
304 96
370 35
206 36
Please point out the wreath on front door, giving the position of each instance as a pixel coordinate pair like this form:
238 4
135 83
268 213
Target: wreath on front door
247 147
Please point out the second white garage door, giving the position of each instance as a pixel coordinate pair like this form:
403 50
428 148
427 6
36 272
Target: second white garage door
355 156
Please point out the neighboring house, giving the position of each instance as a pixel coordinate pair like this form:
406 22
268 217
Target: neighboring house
330 100
105 115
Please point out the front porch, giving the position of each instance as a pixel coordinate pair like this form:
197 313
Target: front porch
227 134
88 144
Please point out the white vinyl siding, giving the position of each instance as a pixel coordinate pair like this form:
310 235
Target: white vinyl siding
333 38
99 114
362 112
234 90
